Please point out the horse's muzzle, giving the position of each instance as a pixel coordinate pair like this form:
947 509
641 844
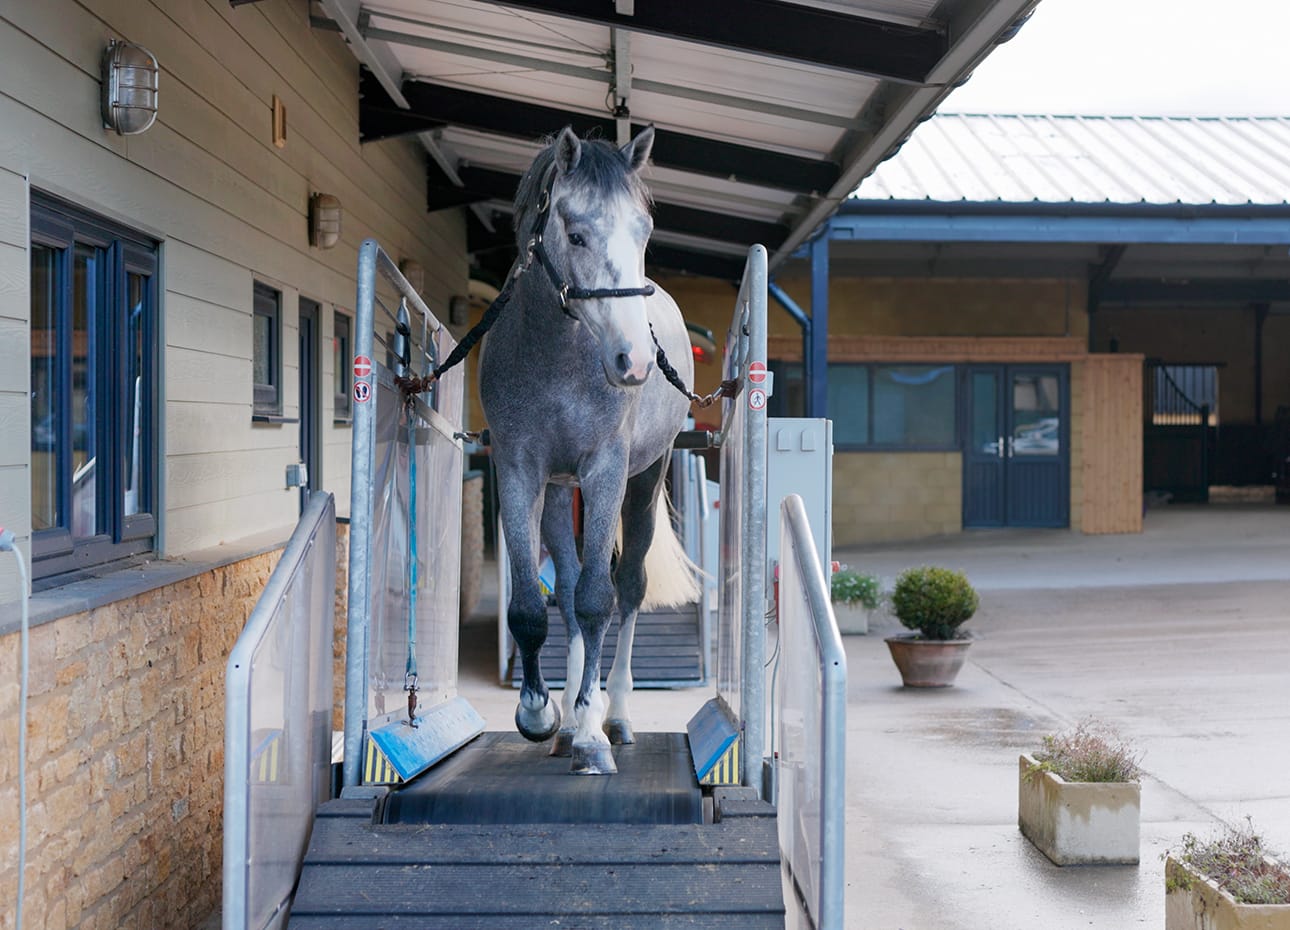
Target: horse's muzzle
625 371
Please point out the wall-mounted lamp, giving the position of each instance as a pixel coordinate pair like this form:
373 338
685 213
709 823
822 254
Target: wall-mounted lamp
458 310
324 220
129 82
415 274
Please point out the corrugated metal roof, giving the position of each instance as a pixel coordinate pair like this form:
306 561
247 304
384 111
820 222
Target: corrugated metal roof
955 158
768 112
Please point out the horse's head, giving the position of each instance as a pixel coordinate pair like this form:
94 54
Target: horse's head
597 223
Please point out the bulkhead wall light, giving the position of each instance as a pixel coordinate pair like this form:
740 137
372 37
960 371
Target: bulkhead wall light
324 220
129 88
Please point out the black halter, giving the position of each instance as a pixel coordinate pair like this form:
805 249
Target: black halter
536 248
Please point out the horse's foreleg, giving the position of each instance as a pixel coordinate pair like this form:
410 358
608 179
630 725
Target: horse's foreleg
603 487
536 717
557 534
638 534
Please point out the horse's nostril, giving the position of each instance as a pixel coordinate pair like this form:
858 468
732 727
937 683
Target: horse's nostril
623 362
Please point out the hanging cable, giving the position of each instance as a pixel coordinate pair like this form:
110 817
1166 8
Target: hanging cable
8 542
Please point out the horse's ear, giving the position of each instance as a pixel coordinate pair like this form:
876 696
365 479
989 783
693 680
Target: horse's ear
568 150
637 151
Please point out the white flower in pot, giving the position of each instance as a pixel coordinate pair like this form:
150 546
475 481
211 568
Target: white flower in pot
855 597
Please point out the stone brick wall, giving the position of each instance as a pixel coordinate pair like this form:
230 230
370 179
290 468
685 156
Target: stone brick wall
125 756
880 496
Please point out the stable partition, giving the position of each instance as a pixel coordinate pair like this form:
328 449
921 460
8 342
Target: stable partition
741 612
405 532
277 736
810 714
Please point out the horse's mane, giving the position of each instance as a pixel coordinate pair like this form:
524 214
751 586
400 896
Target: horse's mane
601 167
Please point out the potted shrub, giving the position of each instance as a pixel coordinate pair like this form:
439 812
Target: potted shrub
1080 797
933 602
1228 881
855 597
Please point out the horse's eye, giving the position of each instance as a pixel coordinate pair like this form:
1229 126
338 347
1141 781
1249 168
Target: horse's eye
576 239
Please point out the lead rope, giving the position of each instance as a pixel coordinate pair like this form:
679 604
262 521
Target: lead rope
728 388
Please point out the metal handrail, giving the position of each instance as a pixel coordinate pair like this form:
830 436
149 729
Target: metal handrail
798 543
312 545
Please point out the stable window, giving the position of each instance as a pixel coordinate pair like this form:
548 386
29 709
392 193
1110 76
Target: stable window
341 358
266 351
93 389
1184 395
879 406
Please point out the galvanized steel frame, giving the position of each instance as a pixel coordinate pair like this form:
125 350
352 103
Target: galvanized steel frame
372 260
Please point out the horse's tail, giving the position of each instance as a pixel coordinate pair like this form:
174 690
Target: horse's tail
671 578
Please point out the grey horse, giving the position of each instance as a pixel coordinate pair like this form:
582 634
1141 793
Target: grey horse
573 397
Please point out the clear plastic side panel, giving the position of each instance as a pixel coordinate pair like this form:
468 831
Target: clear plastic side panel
799 739
278 739
414 635
730 603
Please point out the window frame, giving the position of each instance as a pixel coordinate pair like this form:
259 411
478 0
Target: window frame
61 226
342 384
266 301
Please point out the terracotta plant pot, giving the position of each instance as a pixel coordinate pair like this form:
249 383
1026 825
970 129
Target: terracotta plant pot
1079 822
927 663
1194 902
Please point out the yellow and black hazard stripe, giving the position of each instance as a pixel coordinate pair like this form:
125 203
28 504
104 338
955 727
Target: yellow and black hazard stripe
377 769
725 771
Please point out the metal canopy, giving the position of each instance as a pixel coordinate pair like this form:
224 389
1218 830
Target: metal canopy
767 113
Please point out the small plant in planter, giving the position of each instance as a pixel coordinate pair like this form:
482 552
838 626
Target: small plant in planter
934 602
1227 881
855 596
1080 797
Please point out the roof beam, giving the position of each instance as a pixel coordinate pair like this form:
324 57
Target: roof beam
488 184
775 28
1160 230
1240 291
433 105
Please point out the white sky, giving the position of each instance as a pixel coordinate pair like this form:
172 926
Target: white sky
1139 57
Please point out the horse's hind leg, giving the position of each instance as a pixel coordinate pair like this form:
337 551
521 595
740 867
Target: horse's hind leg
537 716
638 534
557 533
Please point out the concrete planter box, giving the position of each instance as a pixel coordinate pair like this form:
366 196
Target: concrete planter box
1079 823
852 618
1194 902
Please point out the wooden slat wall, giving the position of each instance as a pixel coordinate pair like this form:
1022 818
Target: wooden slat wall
229 208
1112 446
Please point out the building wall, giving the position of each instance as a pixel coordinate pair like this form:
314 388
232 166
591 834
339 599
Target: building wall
126 722
229 208
906 495
125 746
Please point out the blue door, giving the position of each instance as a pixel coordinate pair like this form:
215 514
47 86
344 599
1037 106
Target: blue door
1016 451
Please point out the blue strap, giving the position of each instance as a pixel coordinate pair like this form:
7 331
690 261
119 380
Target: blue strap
411 671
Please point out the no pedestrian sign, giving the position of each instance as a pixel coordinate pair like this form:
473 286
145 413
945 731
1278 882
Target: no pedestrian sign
756 399
362 391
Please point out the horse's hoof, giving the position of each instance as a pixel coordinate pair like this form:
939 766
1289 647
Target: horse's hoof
532 726
619 732
593 760
563 745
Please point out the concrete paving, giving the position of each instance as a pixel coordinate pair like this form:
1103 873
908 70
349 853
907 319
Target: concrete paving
1180 637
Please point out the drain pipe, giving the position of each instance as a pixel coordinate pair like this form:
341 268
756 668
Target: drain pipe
9 543
799 316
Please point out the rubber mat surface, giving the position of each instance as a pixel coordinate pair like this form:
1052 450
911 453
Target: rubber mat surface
501 778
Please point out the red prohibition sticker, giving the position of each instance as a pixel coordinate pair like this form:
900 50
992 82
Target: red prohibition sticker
757 372
756 399
362 391
362 366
